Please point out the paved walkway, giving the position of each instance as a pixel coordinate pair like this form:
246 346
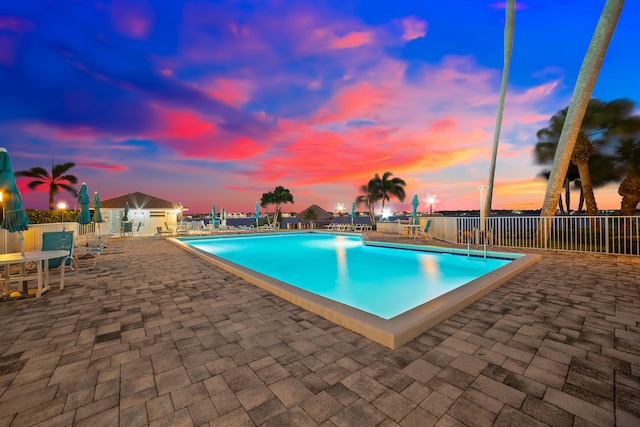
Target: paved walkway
155 336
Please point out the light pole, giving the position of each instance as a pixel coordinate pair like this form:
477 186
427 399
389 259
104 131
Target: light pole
431 201
62 206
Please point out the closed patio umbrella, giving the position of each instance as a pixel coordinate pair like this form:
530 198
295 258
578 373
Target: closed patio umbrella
257 213
125 217
97 215
14 218
84 217
353 211
213 214
415 203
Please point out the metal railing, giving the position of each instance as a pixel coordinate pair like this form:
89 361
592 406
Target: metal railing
601 234
33 236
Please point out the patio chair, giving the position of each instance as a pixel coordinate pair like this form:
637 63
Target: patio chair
166 231
425 232
60 240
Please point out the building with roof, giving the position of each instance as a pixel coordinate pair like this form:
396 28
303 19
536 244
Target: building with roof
146 213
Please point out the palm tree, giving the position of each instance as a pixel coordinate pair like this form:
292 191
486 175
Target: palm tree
279 196
628 154
508 47
55 180
390 187
369 197
601 122
380 189
579 101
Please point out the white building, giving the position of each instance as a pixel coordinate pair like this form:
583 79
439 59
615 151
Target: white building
147 213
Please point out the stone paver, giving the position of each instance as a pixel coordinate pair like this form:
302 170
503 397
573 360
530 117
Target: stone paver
155 336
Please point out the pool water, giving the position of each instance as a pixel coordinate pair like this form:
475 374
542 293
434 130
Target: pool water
379 280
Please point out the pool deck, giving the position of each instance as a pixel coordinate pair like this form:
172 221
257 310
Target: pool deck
157 336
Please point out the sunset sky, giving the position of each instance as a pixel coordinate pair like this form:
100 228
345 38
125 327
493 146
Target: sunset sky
221 101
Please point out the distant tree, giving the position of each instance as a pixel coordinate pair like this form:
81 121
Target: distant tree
390 187
310 215
628 155
368 198
602 123
279 196
380 189
55 181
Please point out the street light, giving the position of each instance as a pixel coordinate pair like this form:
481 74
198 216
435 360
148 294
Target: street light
62 206
431 201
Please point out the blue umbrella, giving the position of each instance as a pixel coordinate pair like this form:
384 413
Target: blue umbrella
14 218
415 203
353 211
97 215
84 217
257 213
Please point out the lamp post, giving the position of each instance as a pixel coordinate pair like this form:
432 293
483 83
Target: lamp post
431 201
62 206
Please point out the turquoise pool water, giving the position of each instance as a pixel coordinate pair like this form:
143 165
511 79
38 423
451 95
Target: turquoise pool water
379 280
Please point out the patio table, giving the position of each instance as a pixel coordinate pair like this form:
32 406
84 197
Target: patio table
41 258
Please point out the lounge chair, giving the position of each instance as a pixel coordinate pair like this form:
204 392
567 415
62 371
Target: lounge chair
88 249
164 232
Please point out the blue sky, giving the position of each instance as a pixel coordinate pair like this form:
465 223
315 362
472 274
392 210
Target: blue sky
200 101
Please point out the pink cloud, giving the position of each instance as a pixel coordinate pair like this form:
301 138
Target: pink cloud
103 166
351 40
232 92
132 18
413 28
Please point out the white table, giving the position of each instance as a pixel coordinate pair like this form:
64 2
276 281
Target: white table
412 229
41 258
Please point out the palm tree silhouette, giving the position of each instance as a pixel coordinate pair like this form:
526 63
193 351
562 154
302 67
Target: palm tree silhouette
55 181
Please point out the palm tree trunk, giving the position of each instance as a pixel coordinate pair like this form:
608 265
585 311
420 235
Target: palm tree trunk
587 188
508 47
567 194
561 206
630 191
579 101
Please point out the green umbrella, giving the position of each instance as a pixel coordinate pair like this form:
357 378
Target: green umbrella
84 217
14 217
97 215
213 213
415 204
125 217
257 213
353 211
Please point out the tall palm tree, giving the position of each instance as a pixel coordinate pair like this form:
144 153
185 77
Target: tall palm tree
508 47
369 197
279 196
579 101
55 181
602 121
390 187
628 154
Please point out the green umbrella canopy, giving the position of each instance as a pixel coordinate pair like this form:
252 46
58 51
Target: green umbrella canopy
213 212
84 217
353 209
97 215
125 217
415 204
14 217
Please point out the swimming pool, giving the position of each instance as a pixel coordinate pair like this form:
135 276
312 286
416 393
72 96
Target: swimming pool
374 283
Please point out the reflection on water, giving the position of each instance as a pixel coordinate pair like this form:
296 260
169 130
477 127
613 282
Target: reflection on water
430 267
